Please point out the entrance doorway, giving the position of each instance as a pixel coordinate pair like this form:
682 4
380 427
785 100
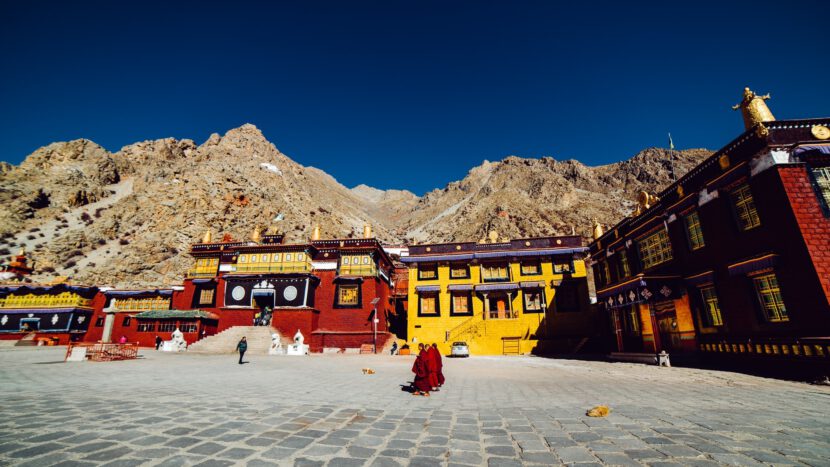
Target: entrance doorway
265 303
666 316
499 306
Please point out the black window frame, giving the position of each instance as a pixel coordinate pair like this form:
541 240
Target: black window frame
538 267
453 294
126 321
99 322
437 313
544 300
466 267
337 303
423 267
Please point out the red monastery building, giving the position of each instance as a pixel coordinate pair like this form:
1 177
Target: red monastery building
336 292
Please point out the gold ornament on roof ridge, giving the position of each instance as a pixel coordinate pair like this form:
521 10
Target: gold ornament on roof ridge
754 109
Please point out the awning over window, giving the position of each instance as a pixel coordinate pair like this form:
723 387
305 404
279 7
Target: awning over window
819 148
641 289
176 314
34 311
702 278
493 254
459 287
139 293
203 281
496 287
348 279
427 288
532 284
753 264
432 259
262 292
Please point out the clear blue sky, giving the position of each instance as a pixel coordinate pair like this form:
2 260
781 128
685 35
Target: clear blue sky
406 94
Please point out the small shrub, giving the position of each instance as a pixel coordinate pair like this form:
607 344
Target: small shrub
123 241
34 229
85 216
92 265
41 235
102 241
47 269
69 264
76 253
30 237
4 251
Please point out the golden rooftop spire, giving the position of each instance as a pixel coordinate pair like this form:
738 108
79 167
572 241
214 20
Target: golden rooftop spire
597 230
315 234
256 235
208 237
754 109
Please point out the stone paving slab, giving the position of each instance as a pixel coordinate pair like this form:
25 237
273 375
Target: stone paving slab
186 410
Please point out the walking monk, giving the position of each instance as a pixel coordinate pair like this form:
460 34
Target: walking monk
439 364
421 384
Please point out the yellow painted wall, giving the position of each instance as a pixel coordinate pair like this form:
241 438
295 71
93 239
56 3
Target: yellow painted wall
484 336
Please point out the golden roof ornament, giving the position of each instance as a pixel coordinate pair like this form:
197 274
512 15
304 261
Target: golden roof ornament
493 236
597 230
315 233
208 237
367 230
754 109
256 235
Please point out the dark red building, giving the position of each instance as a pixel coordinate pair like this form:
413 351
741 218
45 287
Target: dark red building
336 292
731 261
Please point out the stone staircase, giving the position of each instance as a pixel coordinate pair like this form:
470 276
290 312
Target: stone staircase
259 340
27 341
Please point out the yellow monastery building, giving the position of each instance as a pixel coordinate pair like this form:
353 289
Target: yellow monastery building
498 296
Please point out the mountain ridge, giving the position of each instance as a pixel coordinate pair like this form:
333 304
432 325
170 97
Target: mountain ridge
125 218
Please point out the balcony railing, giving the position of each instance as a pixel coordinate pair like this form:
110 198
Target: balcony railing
44 301
368 270
273 268
196 273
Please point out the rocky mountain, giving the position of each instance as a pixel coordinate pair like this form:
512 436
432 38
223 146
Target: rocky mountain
127 218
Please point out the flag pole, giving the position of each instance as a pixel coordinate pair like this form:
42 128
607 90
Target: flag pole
671 159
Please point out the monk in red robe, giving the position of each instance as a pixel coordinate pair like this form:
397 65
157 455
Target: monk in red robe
432 361
439 365
421 369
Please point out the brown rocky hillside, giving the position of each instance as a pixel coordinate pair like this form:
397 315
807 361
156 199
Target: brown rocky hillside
127 218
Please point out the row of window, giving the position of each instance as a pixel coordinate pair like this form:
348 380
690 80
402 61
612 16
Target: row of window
769 299
271 257
491 271
656 248
499 305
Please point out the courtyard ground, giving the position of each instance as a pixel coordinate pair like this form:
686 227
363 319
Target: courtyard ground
180 409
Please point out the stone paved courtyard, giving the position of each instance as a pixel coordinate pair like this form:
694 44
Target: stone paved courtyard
171 410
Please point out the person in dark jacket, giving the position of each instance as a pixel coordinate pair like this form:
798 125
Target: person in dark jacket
158 341
242 346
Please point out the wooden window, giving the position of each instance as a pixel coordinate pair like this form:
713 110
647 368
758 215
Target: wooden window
99 322
822 178
345 260
126 321
744 206
146 327
531 268
495 272
427 271
265 258
243 258
348 295
693 231
167 326
428 304
288 257
459 271
187 327
655 249
276 257
769 294
711 307
534 299
365 260
623 269
206 296
253 258
461 303
561 267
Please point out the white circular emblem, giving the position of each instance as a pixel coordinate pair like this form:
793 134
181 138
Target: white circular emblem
290 293
238 293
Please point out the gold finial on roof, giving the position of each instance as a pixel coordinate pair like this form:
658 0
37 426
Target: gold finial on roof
597 230
754 109
256 235
22 251
367 230
644 202
208 237
315 234
493 236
